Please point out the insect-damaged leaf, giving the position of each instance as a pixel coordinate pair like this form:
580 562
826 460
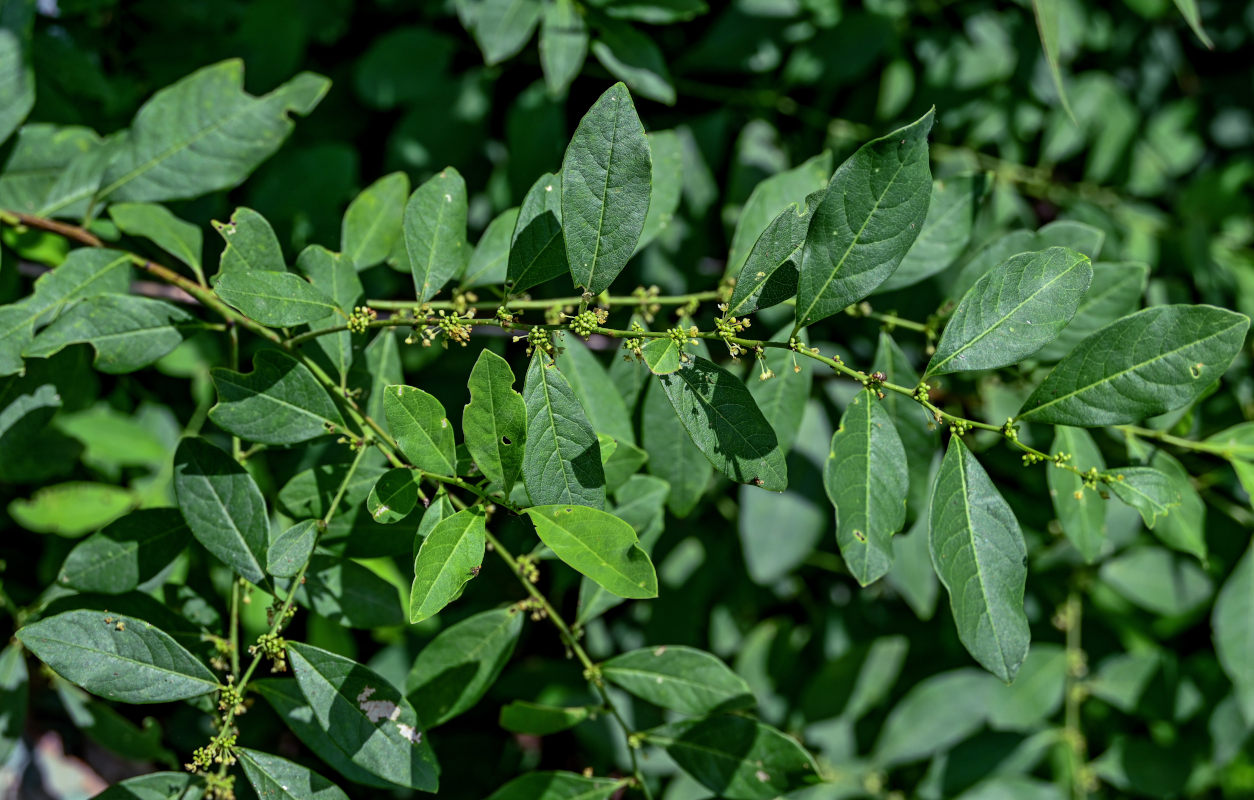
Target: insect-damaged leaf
494 422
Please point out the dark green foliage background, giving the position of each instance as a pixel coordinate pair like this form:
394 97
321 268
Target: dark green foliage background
1160 157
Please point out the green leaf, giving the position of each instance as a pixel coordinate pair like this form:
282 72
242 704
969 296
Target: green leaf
599 545
1237 442
52 170
1153 361
131 551
72 508
537 250
180 239
980 557
635 59
871 214
1013 311
769 275
365 718
488 262
782 399
767 203
946 229
1048 21
562 460
656 12
937 713
1081 511
280 779
435 232
917 431
866 479
274 298
1184 528
335 275
666 152
912 574
1157 580
284 696
154 786
86 272
606 178
558 786
350 594
736 757
117 657
1115 292
251 244
394 495
14 689
538 720
288 552
204 133
223 506
127 332
673 457
17 79
682 679
1188 9
596 393
1037 693
371 228
279 402
563 45
457 667
495 421
1232 621
723 420
1073 235
449 557
503 27
1148 490
421 428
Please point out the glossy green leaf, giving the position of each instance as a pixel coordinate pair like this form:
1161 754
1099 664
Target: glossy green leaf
274 298
127 332
279 402
280 779
871 214
85 272
723 420
1148 363
946 229
223 506
1148 490
979 554
288 552
421 428
1114 293
662 356
937 713
448 558
251 244
394 495
769 275
371 229
563 44
72 508
562 460
130 551
503 27
736 757
457 667
17 79
1073 235
435 232
766 205
1081 511
1232 623
558 786
365 718
488 262
667 156
1013 311
605 190
599 545
673 457
180 239
494 422
537 250
682 679
866 479
635 59
521 716
117 657
205 133
14 700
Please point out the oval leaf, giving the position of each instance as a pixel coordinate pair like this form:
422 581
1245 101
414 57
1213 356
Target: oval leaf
421 428
435 232
562 461
446 561
599 545
290 550
274 298
222 505
394 495
277 778
130 551
495 421
279 402
538 249
457 667
682 679
735 757
1081 510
